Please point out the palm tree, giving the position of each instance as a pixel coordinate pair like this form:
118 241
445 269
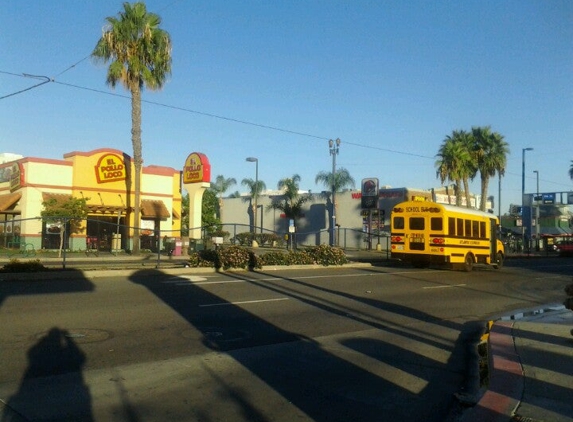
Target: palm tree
335 182
571 170
455 163
255 190
490 154
140 56
293 201
220 186
342 180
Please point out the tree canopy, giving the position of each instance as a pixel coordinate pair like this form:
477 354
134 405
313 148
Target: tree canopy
68 212
462 155
291 202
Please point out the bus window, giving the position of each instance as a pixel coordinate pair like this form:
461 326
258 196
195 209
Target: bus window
468 224
399 223
436 224
475 229
482 233
451 226
460 227
417 223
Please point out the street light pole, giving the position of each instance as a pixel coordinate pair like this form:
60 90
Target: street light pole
255 193
333 148
537 212
523 190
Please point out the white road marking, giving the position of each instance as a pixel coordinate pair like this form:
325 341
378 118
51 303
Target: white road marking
242 302
444 287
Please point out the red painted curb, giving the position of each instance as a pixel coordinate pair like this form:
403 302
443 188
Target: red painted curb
505 390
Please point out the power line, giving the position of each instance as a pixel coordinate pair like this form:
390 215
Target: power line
25 75
73 65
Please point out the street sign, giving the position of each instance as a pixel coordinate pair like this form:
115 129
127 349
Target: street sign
548 198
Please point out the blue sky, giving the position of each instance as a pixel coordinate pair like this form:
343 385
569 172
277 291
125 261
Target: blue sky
277 79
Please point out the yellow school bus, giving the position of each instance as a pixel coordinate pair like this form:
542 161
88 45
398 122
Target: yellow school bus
424 233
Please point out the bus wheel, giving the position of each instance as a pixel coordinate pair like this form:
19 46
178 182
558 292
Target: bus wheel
468 263
498 261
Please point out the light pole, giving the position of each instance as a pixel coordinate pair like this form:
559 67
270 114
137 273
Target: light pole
523 191
255 192
537 212
333 148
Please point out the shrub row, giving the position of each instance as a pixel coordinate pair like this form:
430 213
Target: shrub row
241 257
263 239
16 266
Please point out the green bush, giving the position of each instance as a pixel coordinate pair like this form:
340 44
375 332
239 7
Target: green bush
266 239
236 257
274 258
245 238
205 259
321 255
15 266
327 255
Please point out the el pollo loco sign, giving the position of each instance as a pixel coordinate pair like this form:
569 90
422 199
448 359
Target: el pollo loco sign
197 168
110 168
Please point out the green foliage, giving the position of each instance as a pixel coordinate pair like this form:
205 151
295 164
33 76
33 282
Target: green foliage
341 180
236 257
267 239
16 266
209 208
275 258
205 258
242 257
185 215
286 258
263 239
224 257
70 209
327 255
245 238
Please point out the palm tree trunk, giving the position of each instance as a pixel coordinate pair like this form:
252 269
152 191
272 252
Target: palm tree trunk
458 193
484 185
137 160
467 192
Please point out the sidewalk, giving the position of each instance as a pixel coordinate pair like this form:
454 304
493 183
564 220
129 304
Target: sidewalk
530 368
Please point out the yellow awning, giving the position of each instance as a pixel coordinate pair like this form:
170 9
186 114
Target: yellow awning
6 201
154 209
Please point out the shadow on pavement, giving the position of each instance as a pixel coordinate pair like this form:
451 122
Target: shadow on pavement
325 383
53 383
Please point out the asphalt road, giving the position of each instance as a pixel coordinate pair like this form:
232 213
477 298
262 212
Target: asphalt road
352 344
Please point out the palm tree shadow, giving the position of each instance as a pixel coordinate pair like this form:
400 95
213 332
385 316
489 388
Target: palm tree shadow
53 383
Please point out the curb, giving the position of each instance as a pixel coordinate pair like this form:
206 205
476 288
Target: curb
74 273
506 383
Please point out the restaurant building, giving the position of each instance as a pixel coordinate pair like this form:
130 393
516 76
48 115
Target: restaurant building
101 177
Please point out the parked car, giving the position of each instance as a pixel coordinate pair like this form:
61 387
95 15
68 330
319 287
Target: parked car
564 247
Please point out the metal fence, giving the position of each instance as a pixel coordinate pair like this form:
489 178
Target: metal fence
95 235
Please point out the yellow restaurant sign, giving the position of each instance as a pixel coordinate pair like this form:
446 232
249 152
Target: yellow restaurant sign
197 169
110 168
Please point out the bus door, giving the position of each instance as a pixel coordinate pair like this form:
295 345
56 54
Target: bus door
492 239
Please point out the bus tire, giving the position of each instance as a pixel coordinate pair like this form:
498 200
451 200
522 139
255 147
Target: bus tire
468 263
498 261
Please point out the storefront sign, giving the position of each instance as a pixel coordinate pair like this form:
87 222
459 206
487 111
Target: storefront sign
16 177
369 193
197 169
110 168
